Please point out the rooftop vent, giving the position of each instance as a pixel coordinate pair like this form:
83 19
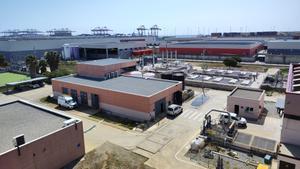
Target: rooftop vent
18 140
69 122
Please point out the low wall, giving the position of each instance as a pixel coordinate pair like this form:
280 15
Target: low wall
206 57
218 86
282 59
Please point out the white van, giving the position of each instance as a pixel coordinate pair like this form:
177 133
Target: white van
66 101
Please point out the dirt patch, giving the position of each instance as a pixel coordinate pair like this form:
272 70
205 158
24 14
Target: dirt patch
110 156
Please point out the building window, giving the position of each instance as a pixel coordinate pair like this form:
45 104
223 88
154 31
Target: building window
251 109
286 165
65 90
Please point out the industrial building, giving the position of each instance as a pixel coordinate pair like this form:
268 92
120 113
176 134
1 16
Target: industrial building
289 150
211 49
15 45
139 99
246 102
104 68
33 136
91 51
283 51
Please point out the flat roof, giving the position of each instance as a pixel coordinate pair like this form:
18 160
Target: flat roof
246 93
124 84
20 117
105 62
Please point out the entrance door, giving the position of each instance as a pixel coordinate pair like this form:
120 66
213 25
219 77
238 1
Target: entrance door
95 101
236 109
74 94
83 98
177 98
160 106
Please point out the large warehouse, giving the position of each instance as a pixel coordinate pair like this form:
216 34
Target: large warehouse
213 49
36 137
134 98
283 51
91 51
15 49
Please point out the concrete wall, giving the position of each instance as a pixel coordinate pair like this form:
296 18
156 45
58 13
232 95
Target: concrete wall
292 106
96 71
290 131
257 105
132 106
207 57
49 152
218 86
282 59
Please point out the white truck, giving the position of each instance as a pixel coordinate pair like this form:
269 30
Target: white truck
66 101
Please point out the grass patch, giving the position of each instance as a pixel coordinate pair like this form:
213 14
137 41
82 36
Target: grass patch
9 77
123 122
68 66
284 71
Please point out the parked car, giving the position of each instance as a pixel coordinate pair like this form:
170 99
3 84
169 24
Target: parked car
241 121
66 101
34 86
174 110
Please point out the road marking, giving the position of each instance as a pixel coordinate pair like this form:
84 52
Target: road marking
200 114
188 113
185 161
191 116
89 129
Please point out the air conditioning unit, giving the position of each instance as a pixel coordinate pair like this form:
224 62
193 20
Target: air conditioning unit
18 140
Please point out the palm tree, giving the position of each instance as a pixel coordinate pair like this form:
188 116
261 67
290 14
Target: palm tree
52 58
32 63
43 66
3 62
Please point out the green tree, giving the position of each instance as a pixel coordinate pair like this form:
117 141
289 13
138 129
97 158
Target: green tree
230 62
43 66
237 58
52 58
3 62
32 63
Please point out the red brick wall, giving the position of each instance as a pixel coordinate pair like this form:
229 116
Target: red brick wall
126 100
99 71
129 101
50 152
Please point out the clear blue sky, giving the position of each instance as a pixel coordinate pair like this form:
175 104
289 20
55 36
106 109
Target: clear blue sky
173 16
